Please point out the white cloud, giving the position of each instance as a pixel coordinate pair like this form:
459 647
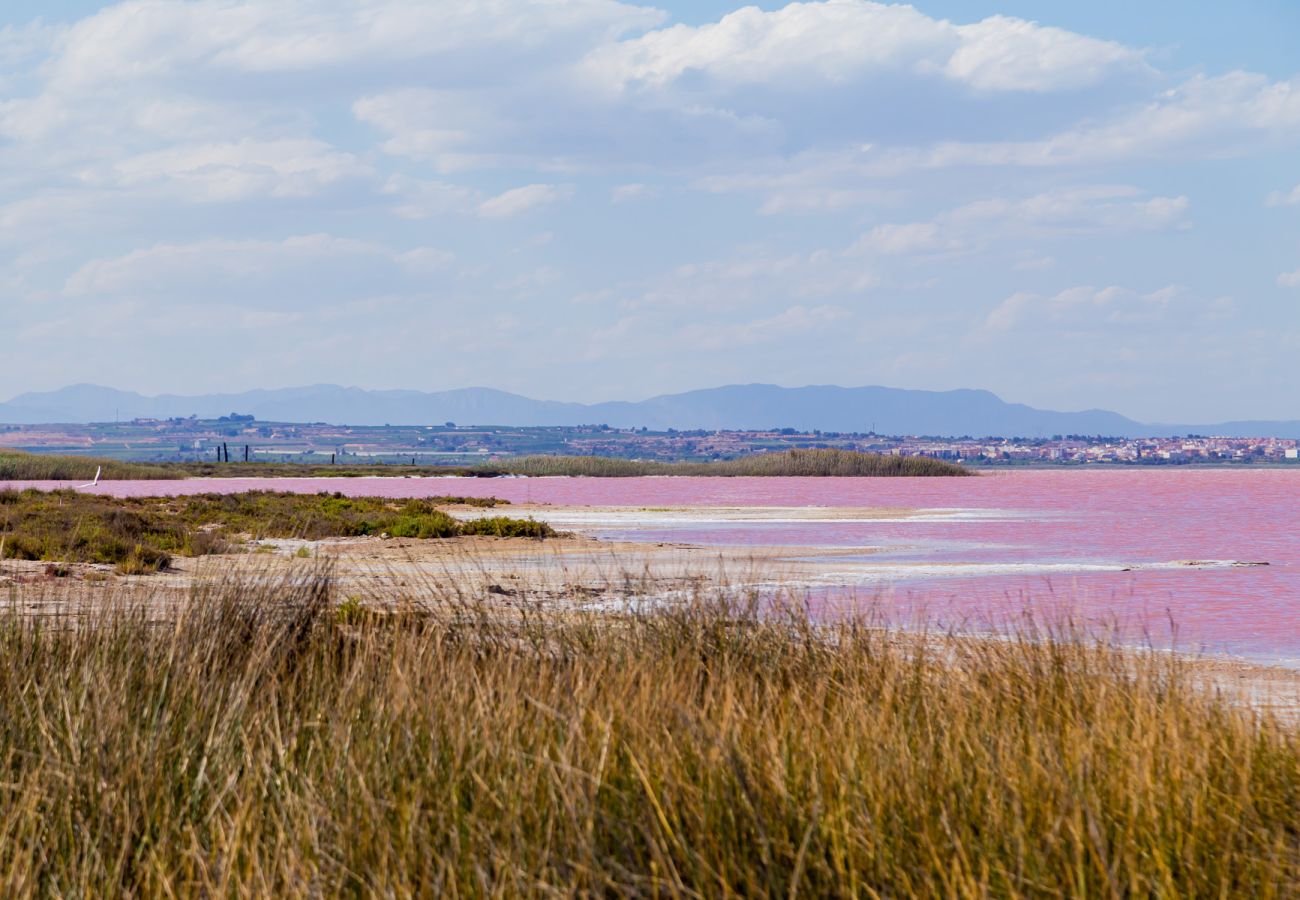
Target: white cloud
626 193
1007 54
237 171
1086 307
1281 198
526 199
298 272
1289 279
903 240
1091 208
839 41
1096 209
1205 116
421 199
151 38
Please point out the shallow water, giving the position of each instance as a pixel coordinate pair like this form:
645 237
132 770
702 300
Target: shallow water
986 548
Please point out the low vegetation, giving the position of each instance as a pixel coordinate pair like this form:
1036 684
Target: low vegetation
798 463
18 466
257 469
808 463
272 743
142 534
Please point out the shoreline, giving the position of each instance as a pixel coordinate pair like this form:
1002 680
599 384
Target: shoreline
572 572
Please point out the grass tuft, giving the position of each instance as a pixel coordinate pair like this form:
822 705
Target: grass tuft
270 742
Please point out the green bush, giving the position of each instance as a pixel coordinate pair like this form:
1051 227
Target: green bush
500 526
142 534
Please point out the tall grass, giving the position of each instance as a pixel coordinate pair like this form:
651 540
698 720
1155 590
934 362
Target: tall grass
16 465
806 463
262 743
816 463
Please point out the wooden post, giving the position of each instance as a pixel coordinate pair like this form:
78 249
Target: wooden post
225 449
245 453
331 459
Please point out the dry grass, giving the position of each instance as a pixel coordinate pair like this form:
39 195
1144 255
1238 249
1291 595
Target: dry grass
264 741
16 465
814 463
791 463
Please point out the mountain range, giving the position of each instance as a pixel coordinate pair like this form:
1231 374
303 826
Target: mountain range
750 406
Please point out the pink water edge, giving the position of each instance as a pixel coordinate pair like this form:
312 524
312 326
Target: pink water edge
1043 540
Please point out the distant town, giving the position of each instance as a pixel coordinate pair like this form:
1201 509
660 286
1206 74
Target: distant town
242 436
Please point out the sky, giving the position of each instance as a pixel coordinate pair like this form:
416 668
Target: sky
1074 205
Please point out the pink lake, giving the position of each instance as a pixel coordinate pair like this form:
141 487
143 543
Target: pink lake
1005 542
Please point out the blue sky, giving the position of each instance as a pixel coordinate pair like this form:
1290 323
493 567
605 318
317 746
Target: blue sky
1074 205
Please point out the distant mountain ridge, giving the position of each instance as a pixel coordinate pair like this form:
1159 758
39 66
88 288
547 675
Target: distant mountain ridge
748 406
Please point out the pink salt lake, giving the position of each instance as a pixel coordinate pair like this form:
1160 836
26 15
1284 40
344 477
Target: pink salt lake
985 550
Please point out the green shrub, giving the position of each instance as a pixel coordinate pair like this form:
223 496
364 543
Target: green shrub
141 534
500 526
433 524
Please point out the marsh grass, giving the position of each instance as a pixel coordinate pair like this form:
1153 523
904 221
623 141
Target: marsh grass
139 535
794 463
811 463
264 740
16 465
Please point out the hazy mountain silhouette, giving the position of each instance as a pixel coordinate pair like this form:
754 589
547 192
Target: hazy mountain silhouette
825 407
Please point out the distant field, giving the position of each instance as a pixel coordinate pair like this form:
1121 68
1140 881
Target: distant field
16 466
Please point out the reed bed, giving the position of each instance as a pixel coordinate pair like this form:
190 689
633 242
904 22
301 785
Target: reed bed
16 465
795 463
263 740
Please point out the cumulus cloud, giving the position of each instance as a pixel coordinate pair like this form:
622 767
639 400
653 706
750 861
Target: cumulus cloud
838 41
1007 54
520 200
1289 279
